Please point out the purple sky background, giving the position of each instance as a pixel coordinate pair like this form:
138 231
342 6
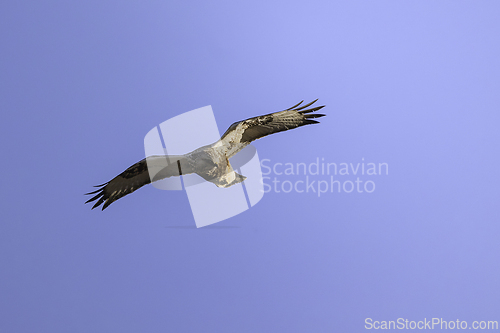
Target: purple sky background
413 84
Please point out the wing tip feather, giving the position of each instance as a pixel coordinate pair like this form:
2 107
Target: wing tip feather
305 106
293 107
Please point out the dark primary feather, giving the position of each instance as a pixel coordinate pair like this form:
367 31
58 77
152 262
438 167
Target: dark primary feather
125 183
137 176
293 117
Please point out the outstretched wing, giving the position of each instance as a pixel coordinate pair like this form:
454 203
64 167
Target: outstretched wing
136 177
248 130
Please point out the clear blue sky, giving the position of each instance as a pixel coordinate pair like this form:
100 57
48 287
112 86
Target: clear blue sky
414 84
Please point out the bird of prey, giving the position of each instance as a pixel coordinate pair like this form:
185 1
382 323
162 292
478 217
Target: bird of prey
211 162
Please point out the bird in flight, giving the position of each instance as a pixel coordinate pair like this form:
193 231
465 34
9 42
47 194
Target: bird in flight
211 162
